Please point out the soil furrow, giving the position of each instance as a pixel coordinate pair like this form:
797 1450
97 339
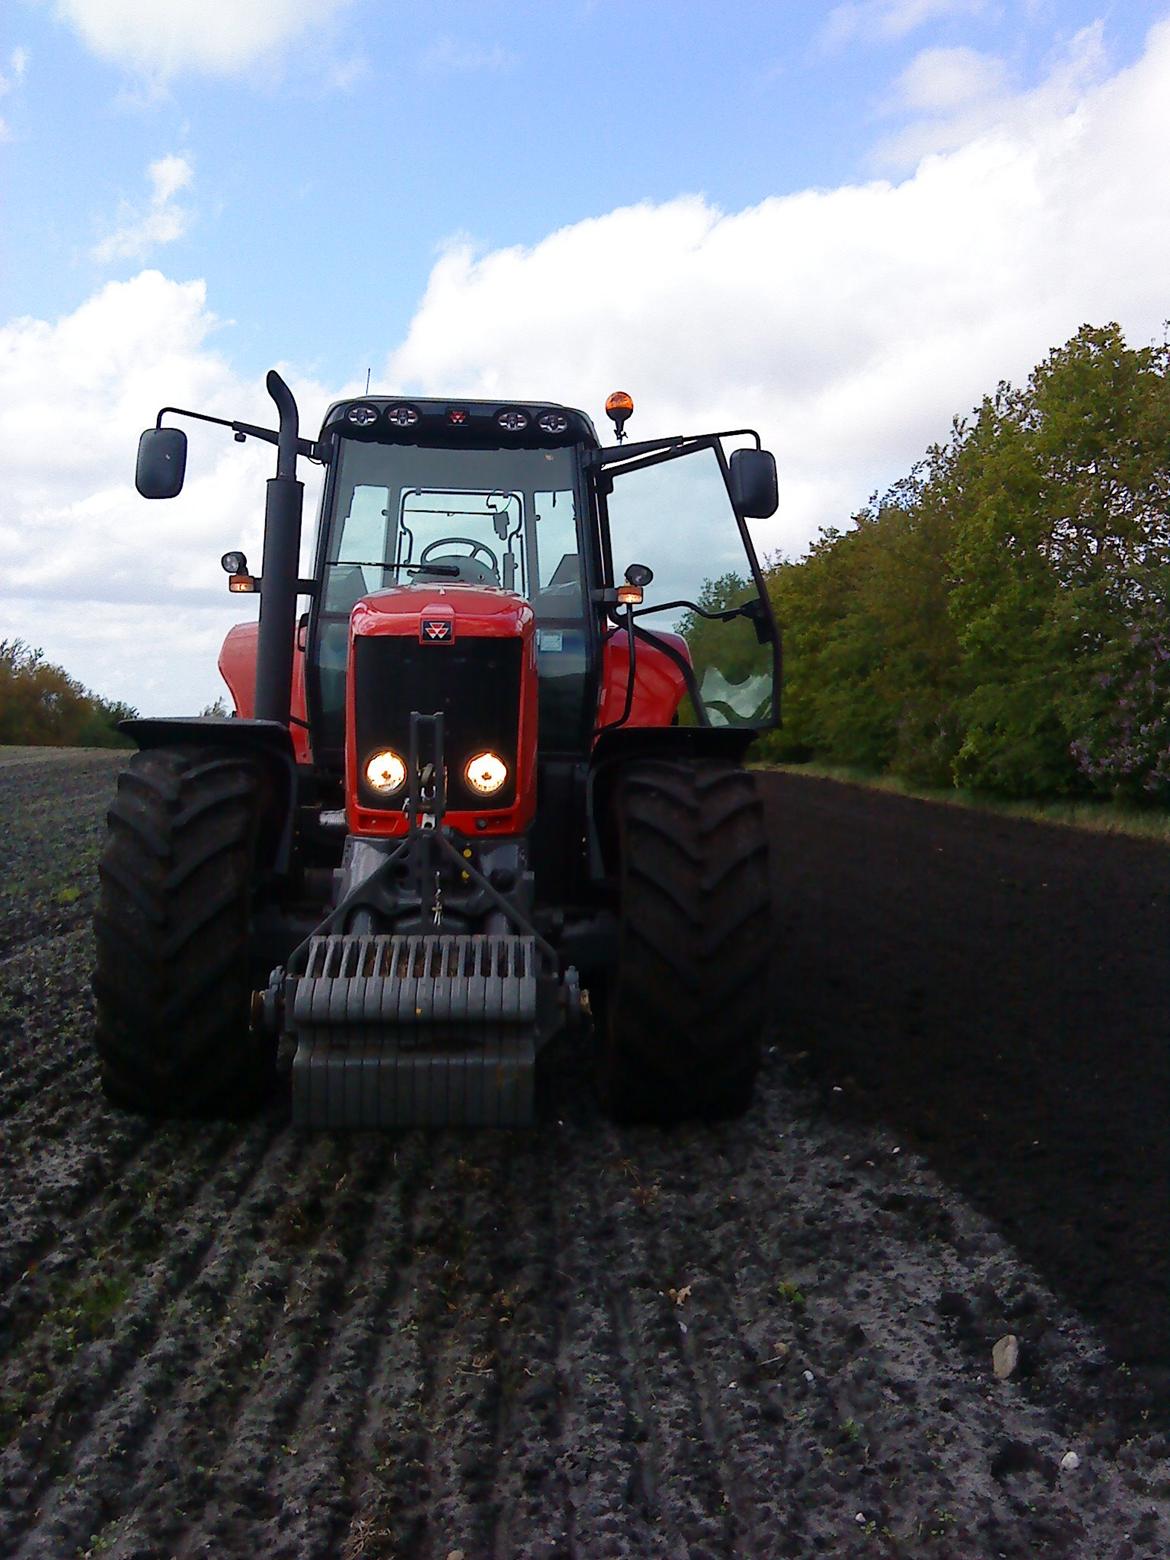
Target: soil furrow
335 1323
60 1101
116 1192
114 1387
239 1422
45 1054
460 1302
83 1279
231 1413
737 1412
385 1484
691 1501
607 1458
528 1491
50 1213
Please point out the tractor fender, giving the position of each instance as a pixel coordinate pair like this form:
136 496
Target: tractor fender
267 741
237 667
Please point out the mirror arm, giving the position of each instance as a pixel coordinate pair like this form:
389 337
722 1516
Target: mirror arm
610 453
242 430
741 433
725 616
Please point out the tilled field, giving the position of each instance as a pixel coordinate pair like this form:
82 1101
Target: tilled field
768 1338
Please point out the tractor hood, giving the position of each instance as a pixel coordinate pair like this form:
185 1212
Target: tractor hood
420 610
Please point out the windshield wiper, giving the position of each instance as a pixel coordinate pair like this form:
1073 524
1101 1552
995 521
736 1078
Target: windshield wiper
449 569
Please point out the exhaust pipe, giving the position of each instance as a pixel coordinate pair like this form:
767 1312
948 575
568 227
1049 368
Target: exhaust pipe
279 571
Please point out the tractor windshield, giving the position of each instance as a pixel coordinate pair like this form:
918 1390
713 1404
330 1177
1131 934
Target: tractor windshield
503 519
500 518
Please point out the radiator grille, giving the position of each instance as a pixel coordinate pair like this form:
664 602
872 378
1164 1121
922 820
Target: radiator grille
474 682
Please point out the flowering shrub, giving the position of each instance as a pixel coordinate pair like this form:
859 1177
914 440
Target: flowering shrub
1127 751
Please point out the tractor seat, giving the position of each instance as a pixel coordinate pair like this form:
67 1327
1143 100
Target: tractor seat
561 597
347 584
472 571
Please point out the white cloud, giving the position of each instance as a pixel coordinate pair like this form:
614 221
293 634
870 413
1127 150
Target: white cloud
849 325
344 75
452 56
167 177
941 80
17 65
141 229
164 38
885 20
127 595
952 97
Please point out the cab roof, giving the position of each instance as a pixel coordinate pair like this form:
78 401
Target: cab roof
413 420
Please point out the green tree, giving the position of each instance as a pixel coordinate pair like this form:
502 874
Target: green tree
981 622
41 705
1061 537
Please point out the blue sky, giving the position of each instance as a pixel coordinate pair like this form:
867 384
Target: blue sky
844 222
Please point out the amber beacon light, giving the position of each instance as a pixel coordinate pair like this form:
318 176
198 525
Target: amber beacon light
619 406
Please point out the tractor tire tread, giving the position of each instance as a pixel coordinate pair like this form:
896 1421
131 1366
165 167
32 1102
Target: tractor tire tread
686 1010
172 979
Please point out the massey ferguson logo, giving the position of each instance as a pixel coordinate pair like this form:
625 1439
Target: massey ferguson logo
437 630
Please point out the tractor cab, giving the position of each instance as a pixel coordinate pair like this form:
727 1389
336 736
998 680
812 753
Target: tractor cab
448 502
431 496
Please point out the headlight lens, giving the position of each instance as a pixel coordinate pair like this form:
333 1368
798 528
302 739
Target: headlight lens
485 773
385 772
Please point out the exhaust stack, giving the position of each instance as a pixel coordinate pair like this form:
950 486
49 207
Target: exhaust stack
282 551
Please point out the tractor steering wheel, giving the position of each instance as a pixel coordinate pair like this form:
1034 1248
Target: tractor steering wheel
463 541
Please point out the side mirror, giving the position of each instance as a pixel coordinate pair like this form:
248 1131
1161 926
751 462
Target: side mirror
754 489
162 462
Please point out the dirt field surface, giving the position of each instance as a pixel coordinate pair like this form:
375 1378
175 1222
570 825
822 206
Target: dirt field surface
767 1338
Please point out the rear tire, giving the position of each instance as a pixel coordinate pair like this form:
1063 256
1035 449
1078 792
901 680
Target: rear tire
685 1012
172 982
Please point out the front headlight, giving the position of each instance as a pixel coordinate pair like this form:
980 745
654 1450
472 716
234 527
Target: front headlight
385 772
485 773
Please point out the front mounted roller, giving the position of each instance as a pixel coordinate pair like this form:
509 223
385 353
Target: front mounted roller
415 1031
684 1012
173 982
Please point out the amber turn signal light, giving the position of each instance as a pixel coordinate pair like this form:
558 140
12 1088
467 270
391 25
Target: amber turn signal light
241 584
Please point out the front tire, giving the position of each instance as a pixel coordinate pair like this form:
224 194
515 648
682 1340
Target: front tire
685 1012
172 982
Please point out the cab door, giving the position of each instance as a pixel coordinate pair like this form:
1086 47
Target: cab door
706 615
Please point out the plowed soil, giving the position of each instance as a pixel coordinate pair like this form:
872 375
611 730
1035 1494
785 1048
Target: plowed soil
765 1338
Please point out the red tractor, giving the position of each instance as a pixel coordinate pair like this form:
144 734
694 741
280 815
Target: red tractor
483 770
